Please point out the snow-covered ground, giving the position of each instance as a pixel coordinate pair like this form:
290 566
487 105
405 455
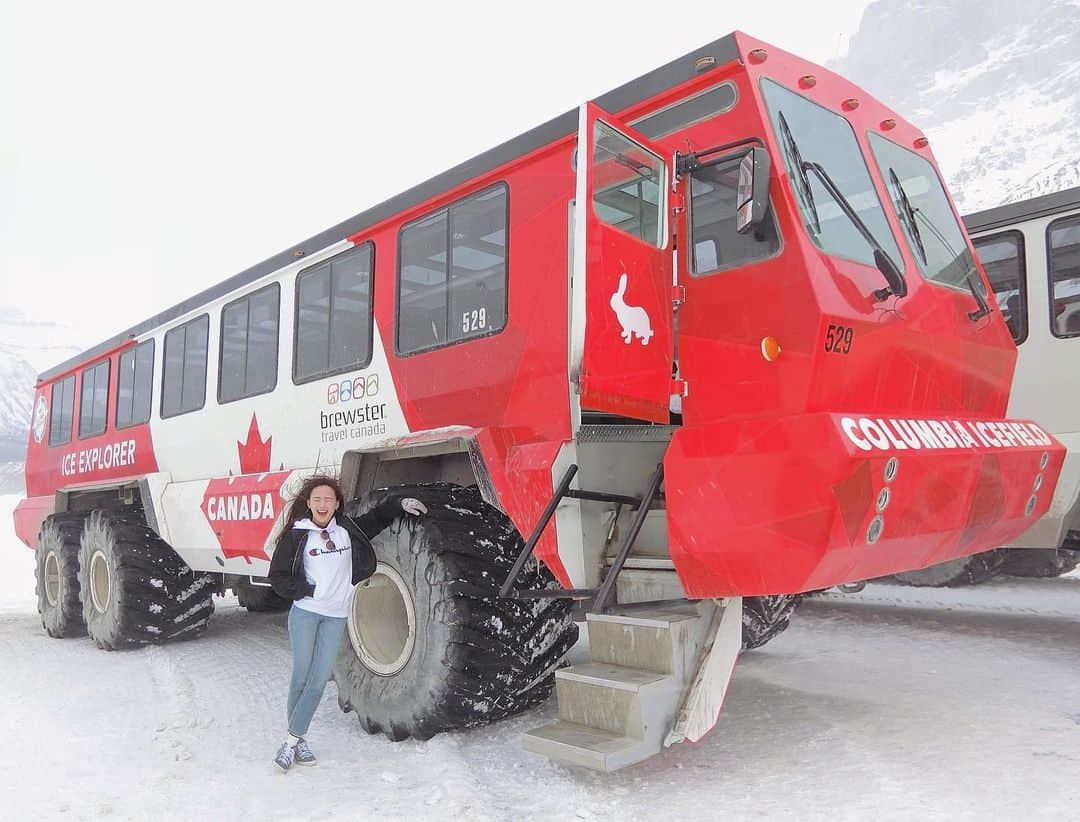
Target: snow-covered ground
890 704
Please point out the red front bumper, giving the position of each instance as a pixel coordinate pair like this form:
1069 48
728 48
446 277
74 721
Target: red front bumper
807 502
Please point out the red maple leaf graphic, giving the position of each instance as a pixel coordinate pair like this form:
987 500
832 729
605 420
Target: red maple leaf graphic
255 453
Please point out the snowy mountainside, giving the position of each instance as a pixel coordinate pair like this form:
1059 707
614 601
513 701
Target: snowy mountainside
27 347
991 82
17 379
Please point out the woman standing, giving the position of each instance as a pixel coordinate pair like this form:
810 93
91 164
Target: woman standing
318 559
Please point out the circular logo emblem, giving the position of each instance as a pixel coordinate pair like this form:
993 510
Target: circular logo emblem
41 416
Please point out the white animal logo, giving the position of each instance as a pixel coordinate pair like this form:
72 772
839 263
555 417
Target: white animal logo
633 318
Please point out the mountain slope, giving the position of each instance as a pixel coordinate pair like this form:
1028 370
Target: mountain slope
991 82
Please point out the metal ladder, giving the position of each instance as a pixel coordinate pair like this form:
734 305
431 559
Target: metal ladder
599 598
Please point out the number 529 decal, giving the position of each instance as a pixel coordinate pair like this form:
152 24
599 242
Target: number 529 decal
475 320
838 338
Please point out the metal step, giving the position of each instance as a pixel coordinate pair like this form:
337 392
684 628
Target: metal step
611 697
651 639
652 539
636 584
581 745
619 708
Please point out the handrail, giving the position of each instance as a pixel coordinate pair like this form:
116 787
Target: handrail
507 589
607 587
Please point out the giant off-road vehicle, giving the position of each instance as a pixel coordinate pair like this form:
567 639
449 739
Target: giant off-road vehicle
712 340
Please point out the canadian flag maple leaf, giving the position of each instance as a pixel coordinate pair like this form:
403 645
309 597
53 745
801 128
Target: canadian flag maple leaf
255 453
242 510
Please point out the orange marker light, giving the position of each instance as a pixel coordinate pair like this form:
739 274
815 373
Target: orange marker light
921 142
850 104
770 349
887 125
759 56
704 63
807 81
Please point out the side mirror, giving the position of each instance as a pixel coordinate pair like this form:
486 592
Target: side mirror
752 194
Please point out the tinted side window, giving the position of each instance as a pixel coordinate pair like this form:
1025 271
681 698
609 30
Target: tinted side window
701 106
183 382
715 243
135 385
63 411
452 273
249 344
1063 246
1002 257
94 400
333 315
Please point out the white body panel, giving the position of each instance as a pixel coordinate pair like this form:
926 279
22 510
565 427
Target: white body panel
299 432
1046 385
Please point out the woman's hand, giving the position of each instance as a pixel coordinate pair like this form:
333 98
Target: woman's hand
413 506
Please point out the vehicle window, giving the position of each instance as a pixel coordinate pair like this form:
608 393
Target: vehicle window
715 243
629 188
686 112
1063 243
932 229
183 376
94 400
333 315
135 385
249 345
810 134
451 281
1002 258
63 411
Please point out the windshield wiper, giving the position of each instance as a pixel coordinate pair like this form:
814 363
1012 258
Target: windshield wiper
907 213
884 263
971 276
978 291
792 149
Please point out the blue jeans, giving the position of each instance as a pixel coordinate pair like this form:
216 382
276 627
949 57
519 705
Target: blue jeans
314 640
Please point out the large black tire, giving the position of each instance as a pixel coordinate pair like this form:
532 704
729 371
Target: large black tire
260 598
135 588
474 657
57 576
1039 562
955 573
765 618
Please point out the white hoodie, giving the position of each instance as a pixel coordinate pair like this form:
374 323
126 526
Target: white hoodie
328 568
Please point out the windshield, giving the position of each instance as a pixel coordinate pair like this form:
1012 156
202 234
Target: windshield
809 133
930 226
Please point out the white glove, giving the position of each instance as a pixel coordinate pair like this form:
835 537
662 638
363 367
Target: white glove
413 506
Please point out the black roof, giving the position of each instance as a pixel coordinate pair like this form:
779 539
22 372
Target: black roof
723 51
1024 210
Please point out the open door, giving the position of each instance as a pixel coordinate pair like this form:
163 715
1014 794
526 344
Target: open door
621 351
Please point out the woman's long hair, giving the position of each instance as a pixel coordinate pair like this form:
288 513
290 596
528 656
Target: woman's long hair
299 508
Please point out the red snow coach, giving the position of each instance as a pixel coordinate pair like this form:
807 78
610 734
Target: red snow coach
713 340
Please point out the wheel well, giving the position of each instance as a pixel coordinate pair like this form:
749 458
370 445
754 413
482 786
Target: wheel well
456 461
121 499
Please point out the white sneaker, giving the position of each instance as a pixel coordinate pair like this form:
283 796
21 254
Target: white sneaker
303 753
284 758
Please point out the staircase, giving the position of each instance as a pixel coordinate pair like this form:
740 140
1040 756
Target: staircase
660 663
621 707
